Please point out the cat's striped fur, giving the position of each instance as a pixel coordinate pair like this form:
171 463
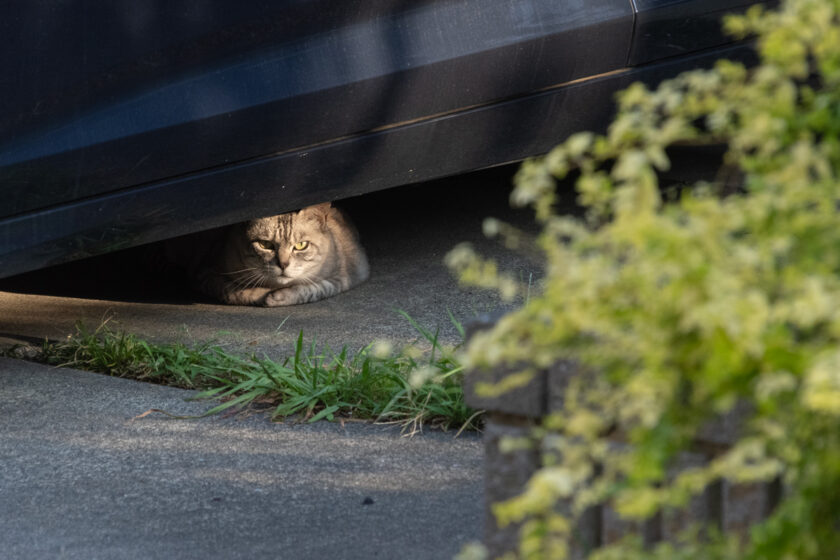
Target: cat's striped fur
293 258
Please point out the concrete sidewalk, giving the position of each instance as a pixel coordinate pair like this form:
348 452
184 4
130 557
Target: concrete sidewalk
82 478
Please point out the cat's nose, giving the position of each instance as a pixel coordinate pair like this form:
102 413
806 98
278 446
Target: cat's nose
284 264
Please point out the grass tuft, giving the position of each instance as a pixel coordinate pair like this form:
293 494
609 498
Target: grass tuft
415 387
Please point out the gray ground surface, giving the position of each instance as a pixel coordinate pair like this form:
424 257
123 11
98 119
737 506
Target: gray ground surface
407 233
81 478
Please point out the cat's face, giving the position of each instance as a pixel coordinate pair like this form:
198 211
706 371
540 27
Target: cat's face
293 246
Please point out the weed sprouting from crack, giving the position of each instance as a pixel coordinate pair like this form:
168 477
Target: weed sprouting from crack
415 387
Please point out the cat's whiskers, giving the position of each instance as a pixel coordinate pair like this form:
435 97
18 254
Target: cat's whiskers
252 279
249 269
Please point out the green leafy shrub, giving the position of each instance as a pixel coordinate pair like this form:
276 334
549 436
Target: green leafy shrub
680 307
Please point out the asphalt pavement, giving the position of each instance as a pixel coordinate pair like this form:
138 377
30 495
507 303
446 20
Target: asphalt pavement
83 475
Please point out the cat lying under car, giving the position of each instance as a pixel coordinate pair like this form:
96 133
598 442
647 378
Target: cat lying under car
292 258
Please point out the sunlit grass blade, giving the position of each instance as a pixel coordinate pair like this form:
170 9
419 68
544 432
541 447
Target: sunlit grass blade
457 324
311 384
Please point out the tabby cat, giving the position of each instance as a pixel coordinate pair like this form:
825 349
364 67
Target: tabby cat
292 258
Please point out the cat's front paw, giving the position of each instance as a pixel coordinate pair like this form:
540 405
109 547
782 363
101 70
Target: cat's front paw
281 297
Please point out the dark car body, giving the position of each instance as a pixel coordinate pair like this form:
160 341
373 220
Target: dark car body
126 122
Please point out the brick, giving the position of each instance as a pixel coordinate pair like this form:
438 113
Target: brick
527 401
747 504
506 475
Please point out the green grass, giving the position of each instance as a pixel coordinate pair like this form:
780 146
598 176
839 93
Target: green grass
415 387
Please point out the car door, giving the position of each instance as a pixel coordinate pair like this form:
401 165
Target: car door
104 97
668 28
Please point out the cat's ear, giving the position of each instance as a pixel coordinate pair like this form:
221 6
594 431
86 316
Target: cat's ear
319 212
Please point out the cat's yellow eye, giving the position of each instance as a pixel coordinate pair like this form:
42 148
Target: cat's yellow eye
267 245
301 245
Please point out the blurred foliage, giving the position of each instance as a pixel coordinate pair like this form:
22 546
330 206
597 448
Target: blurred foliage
678 307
